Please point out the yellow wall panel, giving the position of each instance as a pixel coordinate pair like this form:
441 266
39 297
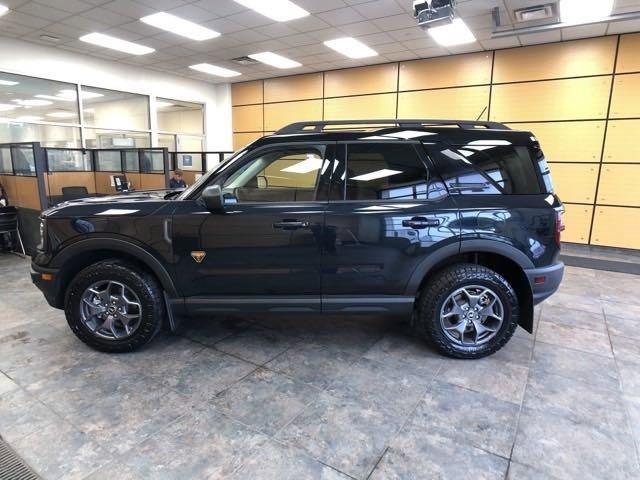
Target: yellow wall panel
242 139
629 54
299 87
593 56
625 102
577 219
361 80
152 181
574 182
277 115
455 103
616 227
55 181
571 99
247 118
620 185
361 108
567 141
27 193
246 93
622 143
455 71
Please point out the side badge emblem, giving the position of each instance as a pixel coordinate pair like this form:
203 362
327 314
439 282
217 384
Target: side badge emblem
198 256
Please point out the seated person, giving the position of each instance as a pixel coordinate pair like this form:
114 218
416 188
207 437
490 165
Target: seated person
4 200
176 180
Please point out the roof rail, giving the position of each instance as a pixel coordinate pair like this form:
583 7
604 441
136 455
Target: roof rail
319 126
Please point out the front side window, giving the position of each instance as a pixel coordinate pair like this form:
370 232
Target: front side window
289 174
378 171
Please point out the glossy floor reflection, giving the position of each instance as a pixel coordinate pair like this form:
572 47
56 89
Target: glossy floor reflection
288 398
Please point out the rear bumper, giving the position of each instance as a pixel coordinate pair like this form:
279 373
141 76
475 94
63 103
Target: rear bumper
545 281
50 288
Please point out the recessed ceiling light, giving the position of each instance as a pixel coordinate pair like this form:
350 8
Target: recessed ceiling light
69 94
278 10
8 83
179 26
580 11
3 10
214 70
275 60
351 47
107 41
32 103
61 114
454 33
160 104
28 118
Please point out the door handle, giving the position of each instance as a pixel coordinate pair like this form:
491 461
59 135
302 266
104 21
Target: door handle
290 225
421 222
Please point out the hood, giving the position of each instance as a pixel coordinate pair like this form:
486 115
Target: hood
117 199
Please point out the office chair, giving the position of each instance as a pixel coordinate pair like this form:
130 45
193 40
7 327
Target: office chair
9 224
74 193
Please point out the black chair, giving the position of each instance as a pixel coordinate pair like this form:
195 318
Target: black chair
9 224
74 193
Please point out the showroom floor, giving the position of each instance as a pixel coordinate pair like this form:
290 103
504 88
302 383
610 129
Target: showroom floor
327 398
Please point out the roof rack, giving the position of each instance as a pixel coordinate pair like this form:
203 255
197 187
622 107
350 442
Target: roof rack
319 126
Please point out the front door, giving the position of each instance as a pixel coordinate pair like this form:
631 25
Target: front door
264 252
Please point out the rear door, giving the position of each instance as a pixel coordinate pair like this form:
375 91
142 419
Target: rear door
388 211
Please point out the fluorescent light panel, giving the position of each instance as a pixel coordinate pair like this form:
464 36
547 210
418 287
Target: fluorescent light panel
385 172
56 98
351 47
8 83
311 164
32 103
28 118
4 107
275 60
214 70
278 10
107 41
454 33
69 94
61 114
580 11
3 10
179 26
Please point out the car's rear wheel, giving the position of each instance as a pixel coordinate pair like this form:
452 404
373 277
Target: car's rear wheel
114 306
467 311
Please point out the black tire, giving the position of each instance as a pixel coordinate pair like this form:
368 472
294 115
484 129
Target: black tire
443 284
143 284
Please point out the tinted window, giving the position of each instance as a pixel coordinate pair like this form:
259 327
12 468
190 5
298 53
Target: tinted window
284 175
385 172
489 169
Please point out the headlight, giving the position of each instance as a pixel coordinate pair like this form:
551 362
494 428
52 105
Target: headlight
43 235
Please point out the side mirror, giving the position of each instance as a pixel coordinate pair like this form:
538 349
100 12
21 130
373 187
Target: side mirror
213 200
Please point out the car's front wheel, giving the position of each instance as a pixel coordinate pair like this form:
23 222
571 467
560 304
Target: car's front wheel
468 311
114 306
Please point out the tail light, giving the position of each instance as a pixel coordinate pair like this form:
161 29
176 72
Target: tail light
559 227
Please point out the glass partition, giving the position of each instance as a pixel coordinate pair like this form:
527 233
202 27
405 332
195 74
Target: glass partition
108 161
152 161
28 99
5 161
68 161
47 135
96 138
24 162
131 161
180 117
114 109
167 141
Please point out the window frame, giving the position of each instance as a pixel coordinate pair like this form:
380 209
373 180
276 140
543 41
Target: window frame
431 173
252 155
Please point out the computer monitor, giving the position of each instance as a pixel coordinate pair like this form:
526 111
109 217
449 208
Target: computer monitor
120 182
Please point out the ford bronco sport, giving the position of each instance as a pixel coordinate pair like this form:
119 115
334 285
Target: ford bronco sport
452 224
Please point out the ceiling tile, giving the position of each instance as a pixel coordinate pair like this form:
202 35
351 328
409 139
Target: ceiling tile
376 39
84 23
624 27
300 39
360 28
316 6
277 30
103 15
400 56
545 37
250 19
395 22
248 36
308 24
71 6
164 4
584 31
341 16
412 33
193 13
390 48
431 52
498 43
221 8
223 25
130 8
25 20
379 8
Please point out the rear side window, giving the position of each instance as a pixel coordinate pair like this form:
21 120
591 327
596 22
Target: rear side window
384 171
491 169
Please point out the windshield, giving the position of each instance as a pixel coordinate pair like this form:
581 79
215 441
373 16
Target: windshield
217 169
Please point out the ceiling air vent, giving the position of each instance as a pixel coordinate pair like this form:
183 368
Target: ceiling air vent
244 61
533 14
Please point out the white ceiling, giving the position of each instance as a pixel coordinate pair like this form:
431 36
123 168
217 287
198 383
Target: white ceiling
386 25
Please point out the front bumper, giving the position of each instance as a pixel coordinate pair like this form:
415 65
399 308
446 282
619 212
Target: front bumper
545 281
50 288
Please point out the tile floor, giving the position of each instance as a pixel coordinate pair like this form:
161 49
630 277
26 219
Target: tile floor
328 398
